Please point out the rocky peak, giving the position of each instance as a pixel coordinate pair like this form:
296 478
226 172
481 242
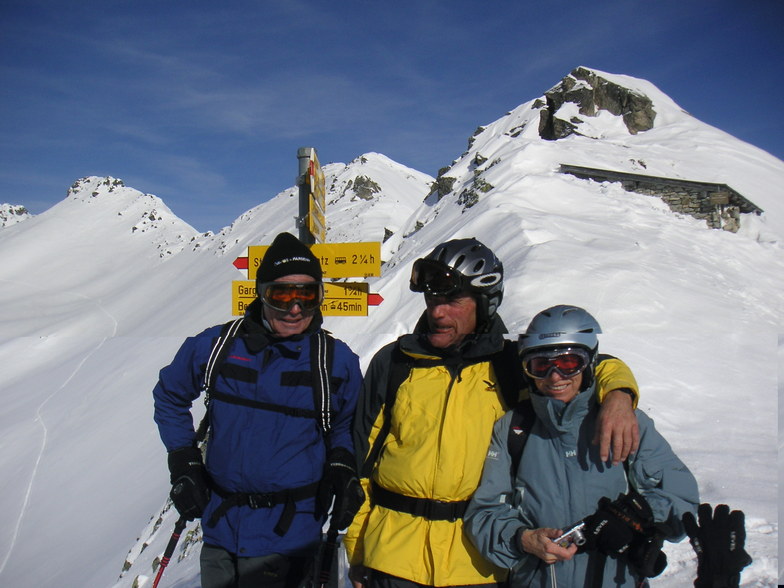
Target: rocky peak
111 200
10 214
591 93
93 186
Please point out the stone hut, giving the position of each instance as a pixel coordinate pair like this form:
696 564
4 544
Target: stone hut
718 204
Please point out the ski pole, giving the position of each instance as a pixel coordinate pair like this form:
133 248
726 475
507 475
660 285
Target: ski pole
178 528
327 555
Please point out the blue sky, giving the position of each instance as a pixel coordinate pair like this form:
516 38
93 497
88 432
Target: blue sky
205 103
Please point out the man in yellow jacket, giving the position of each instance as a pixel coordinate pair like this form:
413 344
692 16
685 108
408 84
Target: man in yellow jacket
425 433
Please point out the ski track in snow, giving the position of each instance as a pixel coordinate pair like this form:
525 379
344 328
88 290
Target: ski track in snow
40 420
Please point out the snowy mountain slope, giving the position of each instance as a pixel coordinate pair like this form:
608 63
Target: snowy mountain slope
695 312
371 198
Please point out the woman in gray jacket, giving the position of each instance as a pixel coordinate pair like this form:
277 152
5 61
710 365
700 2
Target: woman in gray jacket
622 514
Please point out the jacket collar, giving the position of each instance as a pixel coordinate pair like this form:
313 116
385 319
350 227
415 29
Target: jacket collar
473 347
257 334
559 416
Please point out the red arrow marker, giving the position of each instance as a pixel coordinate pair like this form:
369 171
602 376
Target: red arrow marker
374 299
241 263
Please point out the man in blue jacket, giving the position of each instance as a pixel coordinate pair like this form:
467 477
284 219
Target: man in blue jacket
279 447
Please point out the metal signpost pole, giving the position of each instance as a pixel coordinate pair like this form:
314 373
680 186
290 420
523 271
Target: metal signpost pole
303 181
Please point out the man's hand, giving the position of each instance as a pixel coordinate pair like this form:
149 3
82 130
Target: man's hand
617 427
340 480
539 542
358 576
190 491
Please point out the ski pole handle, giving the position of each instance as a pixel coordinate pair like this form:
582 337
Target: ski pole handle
179 526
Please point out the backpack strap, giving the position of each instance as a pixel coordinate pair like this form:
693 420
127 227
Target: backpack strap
281 408
399 367
508 373
220 349
322 357
523 417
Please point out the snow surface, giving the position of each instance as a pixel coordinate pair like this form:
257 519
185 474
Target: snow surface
97 294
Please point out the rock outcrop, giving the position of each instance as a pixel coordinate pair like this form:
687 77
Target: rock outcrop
592 93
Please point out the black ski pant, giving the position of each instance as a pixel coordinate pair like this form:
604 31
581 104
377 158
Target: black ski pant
221 569
378 579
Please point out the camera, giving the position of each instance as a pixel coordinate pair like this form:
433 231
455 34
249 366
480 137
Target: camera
573 535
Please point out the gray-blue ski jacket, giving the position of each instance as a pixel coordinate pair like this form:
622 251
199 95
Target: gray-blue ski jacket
559 482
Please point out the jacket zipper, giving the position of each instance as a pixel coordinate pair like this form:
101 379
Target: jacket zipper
452 378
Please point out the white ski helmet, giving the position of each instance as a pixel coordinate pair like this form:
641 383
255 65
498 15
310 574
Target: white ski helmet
561 326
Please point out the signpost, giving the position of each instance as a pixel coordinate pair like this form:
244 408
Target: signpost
338 260
312 192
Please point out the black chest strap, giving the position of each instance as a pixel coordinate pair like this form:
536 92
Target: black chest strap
428 508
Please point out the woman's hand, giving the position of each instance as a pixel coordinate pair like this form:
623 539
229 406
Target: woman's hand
539 542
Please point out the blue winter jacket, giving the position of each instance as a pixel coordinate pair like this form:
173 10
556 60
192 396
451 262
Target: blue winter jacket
560 481
253 450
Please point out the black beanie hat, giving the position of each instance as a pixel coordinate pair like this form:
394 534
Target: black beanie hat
286 256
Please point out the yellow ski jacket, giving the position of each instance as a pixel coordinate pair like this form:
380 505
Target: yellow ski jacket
441 423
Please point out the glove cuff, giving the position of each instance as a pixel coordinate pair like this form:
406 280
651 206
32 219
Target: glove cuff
341 457
183 461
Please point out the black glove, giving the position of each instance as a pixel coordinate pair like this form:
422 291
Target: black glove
718 540
340 480
190 491
646 556
617 524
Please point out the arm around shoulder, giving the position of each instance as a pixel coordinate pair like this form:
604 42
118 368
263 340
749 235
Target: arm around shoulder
613 374
617 428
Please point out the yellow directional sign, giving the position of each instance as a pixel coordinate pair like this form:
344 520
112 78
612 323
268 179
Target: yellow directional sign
317 206
243 292
345 299
340 298
349 260
338 260
317 222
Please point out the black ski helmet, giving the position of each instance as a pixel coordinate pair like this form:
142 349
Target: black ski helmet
476 270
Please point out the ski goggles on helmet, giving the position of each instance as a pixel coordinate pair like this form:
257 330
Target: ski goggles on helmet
566 361
283 296
436 279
